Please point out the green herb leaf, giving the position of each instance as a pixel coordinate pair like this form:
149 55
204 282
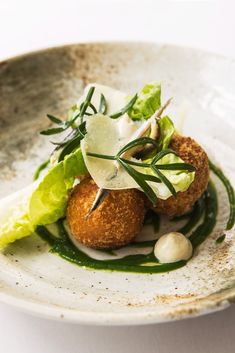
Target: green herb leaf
176 166
103 104
164 180
86 103
124 109
70 146
58 143
54 119
140 181
73 134
62 126
137 164
101 156
93 108
137 142
149 177
82 129
161 154
52 131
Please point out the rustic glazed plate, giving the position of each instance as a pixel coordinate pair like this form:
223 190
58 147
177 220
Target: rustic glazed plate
32 85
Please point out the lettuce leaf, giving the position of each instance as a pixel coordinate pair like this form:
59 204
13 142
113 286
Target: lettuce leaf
48 202
14 217
42 202
167 130
148 101
181 180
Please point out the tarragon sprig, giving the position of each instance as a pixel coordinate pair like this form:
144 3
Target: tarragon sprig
142 178
73 139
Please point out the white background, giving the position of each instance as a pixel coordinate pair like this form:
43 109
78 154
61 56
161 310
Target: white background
29 25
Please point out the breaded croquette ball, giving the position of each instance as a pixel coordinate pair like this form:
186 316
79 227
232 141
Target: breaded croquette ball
116 221
190 152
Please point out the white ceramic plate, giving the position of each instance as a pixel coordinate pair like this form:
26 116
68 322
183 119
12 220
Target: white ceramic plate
202 85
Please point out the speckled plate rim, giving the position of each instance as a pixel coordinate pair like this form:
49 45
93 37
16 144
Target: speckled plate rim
206 305
111 42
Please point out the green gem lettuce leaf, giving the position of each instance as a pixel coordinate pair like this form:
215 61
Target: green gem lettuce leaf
148 101
167 130
14 216
180 179
48 202
41 203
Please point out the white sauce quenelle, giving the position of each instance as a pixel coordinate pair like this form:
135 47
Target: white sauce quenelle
173 247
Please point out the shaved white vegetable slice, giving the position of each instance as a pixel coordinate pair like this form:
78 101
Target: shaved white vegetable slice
104 136
115 99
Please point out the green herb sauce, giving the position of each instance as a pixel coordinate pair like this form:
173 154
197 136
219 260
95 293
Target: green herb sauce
206 207
230 193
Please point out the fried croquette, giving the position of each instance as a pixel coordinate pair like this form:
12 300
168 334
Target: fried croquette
113 224
190 152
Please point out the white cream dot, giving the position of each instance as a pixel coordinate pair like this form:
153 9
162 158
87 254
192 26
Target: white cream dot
173 247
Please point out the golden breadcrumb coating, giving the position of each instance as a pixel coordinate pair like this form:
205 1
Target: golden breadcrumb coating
113 224
190 152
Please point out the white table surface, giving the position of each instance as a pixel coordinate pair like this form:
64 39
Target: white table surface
30 25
